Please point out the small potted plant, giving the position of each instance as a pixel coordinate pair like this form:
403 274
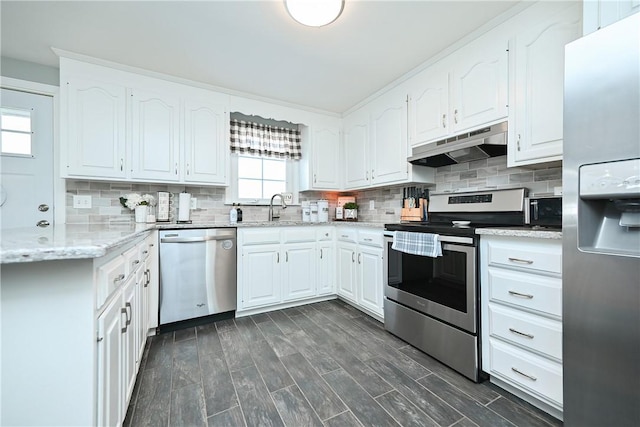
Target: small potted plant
350 211
139 204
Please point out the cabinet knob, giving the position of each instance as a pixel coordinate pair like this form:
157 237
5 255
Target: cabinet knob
444 120
518 142
455 116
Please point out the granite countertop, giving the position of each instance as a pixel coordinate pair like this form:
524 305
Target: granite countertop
539 233
81 241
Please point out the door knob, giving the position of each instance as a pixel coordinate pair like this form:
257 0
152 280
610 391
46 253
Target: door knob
43 207
43 223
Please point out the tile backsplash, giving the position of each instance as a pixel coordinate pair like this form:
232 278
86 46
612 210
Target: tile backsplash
489 173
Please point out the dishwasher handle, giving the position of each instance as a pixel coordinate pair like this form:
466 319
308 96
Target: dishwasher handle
194 239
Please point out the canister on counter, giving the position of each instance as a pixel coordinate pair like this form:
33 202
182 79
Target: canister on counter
323 211
314 212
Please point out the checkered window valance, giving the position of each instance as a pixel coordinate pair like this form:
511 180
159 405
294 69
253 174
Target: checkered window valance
265 140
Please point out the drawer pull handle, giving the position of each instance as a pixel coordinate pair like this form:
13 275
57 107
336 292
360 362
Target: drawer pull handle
531 377
521 333
518 294
136 262
344 236
320 253
120 278
145 252
521 261
368 240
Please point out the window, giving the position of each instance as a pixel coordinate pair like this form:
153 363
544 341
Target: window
16 131
260 177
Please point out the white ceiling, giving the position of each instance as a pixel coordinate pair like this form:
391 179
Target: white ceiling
249 46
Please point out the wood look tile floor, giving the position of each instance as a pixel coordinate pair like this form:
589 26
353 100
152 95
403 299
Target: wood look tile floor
324 364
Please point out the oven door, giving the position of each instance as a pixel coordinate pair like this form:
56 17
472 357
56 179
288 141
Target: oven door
443 288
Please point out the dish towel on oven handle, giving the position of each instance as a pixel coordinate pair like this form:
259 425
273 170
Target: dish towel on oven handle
424 244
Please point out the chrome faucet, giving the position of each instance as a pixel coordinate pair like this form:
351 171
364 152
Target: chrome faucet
284 206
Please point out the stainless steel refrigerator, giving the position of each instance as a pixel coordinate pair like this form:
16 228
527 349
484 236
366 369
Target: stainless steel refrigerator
601 228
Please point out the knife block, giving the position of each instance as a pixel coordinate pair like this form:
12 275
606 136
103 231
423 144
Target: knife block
413 214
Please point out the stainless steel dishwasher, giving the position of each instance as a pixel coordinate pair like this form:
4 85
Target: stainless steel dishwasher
197 273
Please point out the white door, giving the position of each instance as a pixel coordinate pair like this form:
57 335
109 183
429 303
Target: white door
370 279
26 192
356 163
156 131
389 143
261 273
428 107
206 148
299 271
326 157
326 268
346 258
110 372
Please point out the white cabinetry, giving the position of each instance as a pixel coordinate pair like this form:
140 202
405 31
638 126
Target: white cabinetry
155 141
600 13
522 317
110 372
360 269
320 163
537 88
466 90
376 145
94 127
119 125
284 266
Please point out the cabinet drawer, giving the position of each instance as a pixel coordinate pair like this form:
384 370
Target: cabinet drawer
325 234
370 238
260 236
534 255
144 250
530 291
299 234
526 370
132 260
347 235
110 276
528 330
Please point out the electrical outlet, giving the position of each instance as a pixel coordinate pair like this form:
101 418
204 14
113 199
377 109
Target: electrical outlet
194 203
82 202
288 198
372 205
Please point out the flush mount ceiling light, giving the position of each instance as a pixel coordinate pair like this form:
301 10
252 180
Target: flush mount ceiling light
314 13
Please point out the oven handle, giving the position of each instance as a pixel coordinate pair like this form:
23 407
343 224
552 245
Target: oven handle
443 239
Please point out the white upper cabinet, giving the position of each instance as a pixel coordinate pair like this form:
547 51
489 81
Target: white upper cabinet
93 126
206 154
356 150
320 164
429 106
600 13
156 133
389 142
479 83
537 88
120 125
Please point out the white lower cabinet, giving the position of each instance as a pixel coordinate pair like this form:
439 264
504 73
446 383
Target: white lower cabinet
284 266
123 327
521 293
360 269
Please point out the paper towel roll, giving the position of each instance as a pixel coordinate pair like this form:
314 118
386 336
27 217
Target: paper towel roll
184 206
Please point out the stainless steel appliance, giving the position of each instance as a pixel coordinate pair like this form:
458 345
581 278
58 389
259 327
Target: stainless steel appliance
601 228
490 141
544 211
197 273
432 303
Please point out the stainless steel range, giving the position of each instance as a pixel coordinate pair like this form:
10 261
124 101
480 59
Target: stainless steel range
432 303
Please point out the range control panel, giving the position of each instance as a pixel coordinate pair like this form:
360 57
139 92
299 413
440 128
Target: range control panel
610 180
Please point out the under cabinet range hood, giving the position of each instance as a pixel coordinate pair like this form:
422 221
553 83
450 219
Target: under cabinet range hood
490 141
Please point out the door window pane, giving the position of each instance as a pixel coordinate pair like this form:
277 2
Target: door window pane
16 131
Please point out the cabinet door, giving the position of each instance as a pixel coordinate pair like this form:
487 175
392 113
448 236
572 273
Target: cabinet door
261 275
299 271
326 158
429 106
370 279
538 89
479 83
110 374
153 287
142 314
129 349
326 269
600 13
389 142
94 125
346 257
155 139
356 162
206 147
